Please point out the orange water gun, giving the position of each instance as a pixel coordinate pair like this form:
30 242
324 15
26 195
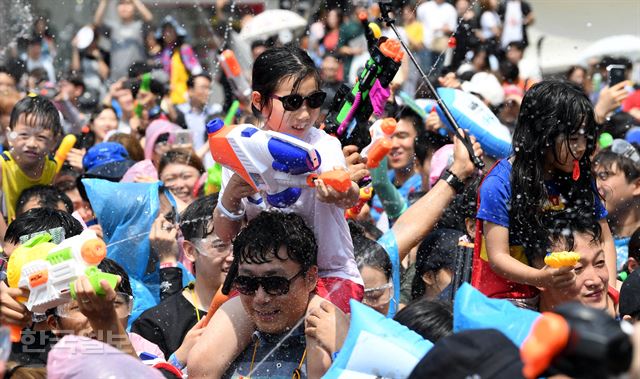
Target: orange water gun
63 150
381 132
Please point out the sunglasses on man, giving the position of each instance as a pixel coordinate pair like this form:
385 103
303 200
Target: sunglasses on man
294 101
272 285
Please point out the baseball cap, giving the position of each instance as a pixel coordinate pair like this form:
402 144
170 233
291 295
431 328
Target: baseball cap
630 295
482 353
487 86
103 153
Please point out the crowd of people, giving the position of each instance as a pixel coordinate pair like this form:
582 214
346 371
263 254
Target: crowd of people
214 281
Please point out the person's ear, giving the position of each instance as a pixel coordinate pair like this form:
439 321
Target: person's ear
632 265
470 225
52 322
256 101
311 278
189 250
636 187
428 278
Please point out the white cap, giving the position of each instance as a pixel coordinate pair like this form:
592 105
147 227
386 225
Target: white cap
487 86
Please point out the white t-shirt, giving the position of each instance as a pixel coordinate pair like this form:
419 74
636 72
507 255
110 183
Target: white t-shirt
335 248
434 16
513 20
489 20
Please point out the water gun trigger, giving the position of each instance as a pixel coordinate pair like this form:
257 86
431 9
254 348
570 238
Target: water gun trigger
337 179
548 337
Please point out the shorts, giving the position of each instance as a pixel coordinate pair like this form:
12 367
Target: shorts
339 291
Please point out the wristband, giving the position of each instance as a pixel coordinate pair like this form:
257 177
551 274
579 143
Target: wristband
334 356
228 215
451 179
175 362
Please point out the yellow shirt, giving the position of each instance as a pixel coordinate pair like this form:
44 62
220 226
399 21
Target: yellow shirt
14 181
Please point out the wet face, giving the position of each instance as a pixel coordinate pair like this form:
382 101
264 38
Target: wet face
7 83
105 122
180 179
329 69
213 257
169 35
377 289
568 150
402 153
70 321
199 94
278 313
436 281
80 205
613 186
296 123
126 10
30 143
125 99
592 277
34 202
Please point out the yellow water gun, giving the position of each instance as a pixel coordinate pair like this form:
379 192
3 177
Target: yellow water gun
561 259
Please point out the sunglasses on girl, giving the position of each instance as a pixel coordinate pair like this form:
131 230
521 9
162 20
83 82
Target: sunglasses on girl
294 101
272 285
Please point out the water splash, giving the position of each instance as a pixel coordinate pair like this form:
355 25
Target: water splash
16 21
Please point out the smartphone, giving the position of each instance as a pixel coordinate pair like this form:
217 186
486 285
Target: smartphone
616 74
180 138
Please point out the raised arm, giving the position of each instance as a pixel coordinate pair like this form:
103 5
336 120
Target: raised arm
417 221
99 16
146 15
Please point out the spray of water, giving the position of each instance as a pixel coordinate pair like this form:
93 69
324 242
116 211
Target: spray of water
16 22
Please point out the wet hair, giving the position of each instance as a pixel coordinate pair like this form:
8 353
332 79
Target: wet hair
110 266
550 109
436 251
196 221
634 245
260 242
99 109
41 219
364 228
509 72
42 111
192 78
132 145
432 319
278 64
462 207
606 158
48 197
410 115
5 70
564 225
428 143
368 252
619 124
181 156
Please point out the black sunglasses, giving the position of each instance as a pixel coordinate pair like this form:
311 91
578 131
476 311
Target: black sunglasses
272 285
294 101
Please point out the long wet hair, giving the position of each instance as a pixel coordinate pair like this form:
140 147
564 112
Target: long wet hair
276 65
550 109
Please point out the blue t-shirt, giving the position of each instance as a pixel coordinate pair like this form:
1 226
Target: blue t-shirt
622 251
495 196
390 244
413 184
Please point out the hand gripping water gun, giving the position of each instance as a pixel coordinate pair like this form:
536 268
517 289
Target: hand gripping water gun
577 341
273 162
233 72
561 259
365 195
145 86
63 150
380 132
351 108
49 271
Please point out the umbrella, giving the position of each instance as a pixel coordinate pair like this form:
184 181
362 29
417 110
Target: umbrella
620 46
272 22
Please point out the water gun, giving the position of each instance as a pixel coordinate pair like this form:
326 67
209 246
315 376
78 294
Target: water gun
50 273
233 72
365 195
218 299
351 108
63 150
269 161
578 341
561 259
213 180
145 86
380 145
